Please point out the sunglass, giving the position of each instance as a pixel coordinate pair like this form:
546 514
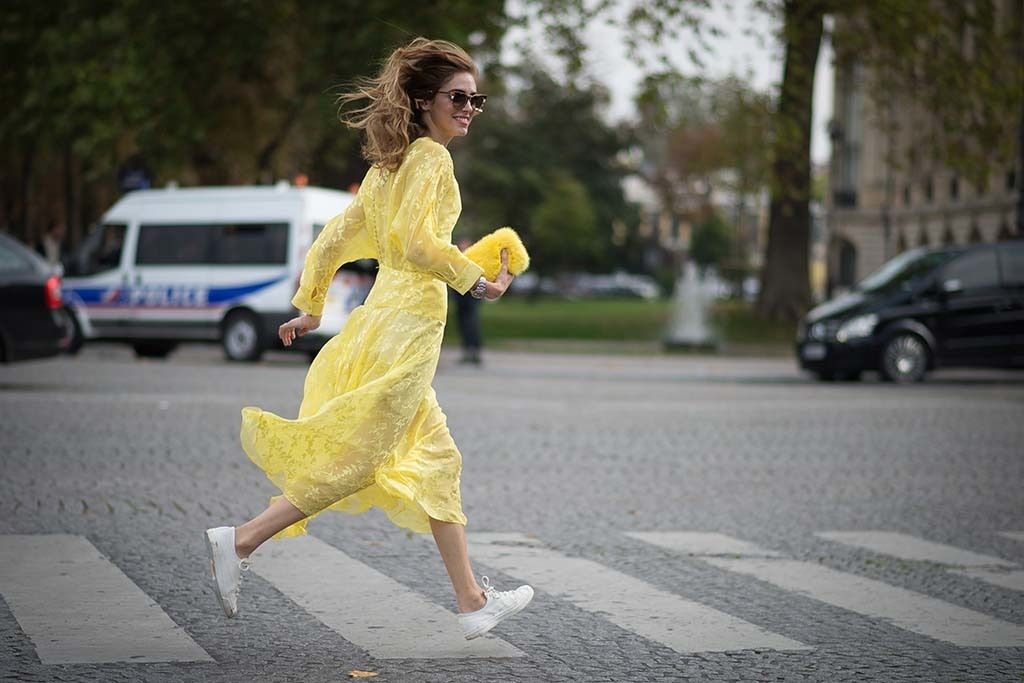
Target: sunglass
460 97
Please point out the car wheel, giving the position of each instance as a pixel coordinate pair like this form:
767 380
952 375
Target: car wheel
827 376
154 348
73 331
904 359
241 339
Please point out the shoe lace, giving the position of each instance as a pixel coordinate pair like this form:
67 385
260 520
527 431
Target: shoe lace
494 593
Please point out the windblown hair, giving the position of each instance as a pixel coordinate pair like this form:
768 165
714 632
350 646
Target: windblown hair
386 109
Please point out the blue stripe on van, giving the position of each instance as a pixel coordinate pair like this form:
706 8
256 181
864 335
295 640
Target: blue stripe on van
123 296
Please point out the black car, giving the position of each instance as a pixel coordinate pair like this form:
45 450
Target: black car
950 306
33 323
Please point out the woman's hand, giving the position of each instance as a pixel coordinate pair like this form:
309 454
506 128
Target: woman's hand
296 327
501 282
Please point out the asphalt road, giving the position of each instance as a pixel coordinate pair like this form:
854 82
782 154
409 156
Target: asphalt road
805 531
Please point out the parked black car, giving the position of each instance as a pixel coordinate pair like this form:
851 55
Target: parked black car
950 306
33 323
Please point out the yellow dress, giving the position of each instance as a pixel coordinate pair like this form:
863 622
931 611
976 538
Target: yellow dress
370 432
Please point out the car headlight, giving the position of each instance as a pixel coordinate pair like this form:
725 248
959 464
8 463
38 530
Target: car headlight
857 328
818 331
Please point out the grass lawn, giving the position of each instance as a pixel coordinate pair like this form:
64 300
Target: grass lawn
636 321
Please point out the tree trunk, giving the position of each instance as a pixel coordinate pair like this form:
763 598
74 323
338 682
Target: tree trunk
785 280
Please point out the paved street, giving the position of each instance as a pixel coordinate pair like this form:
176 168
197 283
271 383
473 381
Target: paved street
681 518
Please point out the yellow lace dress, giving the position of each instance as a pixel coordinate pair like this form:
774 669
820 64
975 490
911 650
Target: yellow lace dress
370 432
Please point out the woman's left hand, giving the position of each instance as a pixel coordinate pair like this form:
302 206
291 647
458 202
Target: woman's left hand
500 285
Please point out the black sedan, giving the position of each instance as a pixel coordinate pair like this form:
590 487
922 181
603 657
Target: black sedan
33 323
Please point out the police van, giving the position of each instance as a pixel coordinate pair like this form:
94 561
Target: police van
207 263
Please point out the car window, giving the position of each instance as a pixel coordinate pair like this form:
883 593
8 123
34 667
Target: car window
164 245
976 269
102 250
1011 263
205 244
903 271
11 261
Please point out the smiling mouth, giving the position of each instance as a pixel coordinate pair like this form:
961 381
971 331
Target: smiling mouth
463 119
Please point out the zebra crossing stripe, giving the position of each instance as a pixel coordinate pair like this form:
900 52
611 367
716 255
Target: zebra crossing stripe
1014 580
77 607
1015 535
367 608
907 547
702 543
680 624
905 609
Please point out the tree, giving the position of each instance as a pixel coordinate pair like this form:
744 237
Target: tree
785 285
220 91
963 62
712 240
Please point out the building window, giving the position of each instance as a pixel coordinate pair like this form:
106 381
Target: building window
948 238
906 195
975 236
1011 179
929 189
847 134
954 188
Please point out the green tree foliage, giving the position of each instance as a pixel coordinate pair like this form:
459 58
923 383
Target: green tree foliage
210 91
712 241
563 227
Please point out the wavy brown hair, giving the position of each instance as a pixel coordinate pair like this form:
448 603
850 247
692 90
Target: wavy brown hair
385 105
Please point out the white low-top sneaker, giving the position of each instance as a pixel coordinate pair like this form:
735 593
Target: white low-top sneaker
500 606
226 567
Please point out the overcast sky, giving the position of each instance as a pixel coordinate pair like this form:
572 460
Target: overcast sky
748 48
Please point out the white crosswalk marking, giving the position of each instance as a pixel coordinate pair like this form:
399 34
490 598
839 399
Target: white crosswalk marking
907 547
905 609
1015 535
702 543
367 608
1014 580
78 608
680 624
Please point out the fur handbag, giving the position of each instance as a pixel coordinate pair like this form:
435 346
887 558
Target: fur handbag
486 253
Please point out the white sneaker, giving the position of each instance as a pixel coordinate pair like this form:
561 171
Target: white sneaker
500 606
226 567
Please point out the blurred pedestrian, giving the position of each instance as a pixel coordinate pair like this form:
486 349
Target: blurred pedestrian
467 312
370 432
51 244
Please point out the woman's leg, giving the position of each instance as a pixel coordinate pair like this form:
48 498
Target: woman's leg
451 542
278 516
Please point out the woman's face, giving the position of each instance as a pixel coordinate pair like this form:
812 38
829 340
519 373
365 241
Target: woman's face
441 116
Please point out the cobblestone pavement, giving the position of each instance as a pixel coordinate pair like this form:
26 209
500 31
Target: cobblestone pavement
574 455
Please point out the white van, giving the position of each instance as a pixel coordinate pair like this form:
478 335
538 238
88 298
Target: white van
207 263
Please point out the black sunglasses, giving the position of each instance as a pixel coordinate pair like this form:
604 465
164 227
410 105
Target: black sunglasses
460 97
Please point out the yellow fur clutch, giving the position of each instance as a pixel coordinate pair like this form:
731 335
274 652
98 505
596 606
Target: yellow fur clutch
486 253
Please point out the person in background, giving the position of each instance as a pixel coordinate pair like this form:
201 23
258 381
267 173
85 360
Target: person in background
467 310
51 244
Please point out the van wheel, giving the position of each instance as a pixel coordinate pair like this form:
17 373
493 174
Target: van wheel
904 359
154 348
242 340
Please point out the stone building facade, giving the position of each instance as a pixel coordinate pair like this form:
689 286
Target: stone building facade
876 209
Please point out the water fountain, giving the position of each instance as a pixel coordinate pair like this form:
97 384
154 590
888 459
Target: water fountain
688 324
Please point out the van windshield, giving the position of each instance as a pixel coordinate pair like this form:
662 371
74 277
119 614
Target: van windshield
902 271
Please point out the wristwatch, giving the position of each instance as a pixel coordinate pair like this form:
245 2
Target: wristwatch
478 290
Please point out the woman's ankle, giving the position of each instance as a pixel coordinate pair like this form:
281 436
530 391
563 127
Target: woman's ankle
244 546
471 601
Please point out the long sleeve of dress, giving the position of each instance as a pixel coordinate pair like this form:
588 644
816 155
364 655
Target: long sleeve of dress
344 239
428 195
